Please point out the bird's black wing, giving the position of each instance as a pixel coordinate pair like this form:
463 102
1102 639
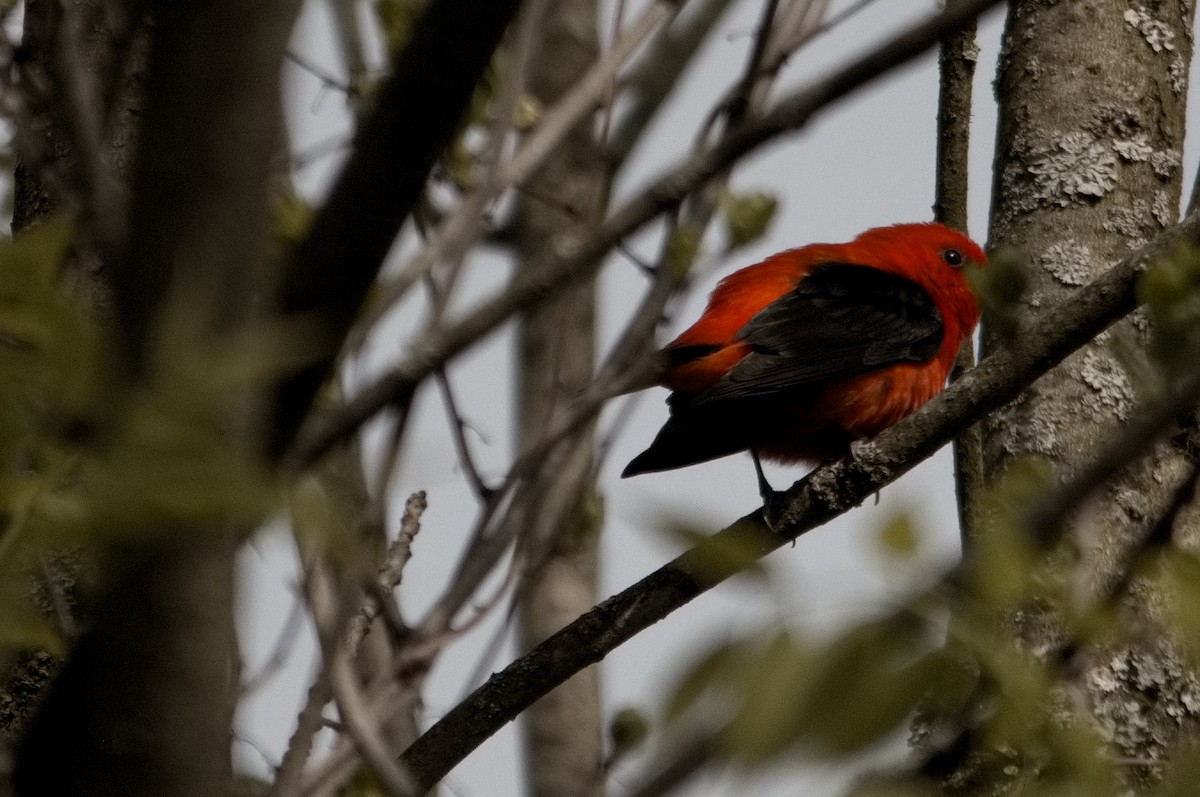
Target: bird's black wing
841 320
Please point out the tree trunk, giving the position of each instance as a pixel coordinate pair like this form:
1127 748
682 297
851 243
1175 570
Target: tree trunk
1092 99
105 43
556 357
145 702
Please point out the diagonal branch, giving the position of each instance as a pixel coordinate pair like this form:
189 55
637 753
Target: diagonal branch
825 493
587 252
417 111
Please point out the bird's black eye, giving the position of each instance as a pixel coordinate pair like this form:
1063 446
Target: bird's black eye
952 257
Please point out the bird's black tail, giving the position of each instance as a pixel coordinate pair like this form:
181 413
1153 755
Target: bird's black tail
687 438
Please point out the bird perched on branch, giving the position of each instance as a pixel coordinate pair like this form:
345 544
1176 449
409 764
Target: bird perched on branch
798 356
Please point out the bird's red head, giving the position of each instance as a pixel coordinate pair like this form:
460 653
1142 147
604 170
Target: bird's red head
934 256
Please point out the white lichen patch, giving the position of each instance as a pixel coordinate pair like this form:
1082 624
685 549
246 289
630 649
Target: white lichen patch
1069 262
1134 150
1140 698
1156 32
1179 74
1077 168
1026 433
1164 208
1132 223
1033 69
1165 162
1110 385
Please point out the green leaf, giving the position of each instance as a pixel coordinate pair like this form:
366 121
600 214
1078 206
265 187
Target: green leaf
868 683
627 731
765 723
717 673
1170 291
682 250
1000 288
1004 560
899 538
747 215
397 17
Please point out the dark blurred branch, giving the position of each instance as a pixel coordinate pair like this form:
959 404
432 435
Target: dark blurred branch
587 251
822 495
417 112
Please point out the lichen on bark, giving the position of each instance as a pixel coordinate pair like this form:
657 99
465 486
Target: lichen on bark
1087 168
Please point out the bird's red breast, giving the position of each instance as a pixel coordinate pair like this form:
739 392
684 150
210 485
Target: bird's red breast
814 347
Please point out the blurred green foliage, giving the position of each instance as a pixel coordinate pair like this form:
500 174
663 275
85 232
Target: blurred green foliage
986 713
396 19
683 247
1170 292
1000 288
748 215
88 456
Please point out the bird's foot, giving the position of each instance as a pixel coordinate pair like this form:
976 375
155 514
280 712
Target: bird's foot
766 492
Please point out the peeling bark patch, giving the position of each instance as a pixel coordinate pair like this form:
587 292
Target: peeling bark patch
1164 208
1111 386
1077 168
1027 433
1156 32
1134 150
1179 75
1132 222
1069 262
1165 163
1141 699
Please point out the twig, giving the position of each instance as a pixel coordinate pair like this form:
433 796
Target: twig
327 79
289 775
279 651
345 21
359 722
336 263
556 123
655 75
956 70
378 598
458 426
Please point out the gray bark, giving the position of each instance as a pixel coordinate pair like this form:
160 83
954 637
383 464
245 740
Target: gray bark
567 194
1092 99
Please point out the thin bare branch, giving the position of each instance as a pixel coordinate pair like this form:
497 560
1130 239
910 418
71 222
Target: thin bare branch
458 427
956 71
359 721
333 267
290 774
458 229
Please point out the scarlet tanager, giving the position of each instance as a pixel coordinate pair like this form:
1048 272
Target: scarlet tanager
814 348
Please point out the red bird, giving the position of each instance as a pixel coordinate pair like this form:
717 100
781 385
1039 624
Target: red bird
814 348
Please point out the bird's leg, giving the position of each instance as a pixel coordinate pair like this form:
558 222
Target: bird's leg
765 490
